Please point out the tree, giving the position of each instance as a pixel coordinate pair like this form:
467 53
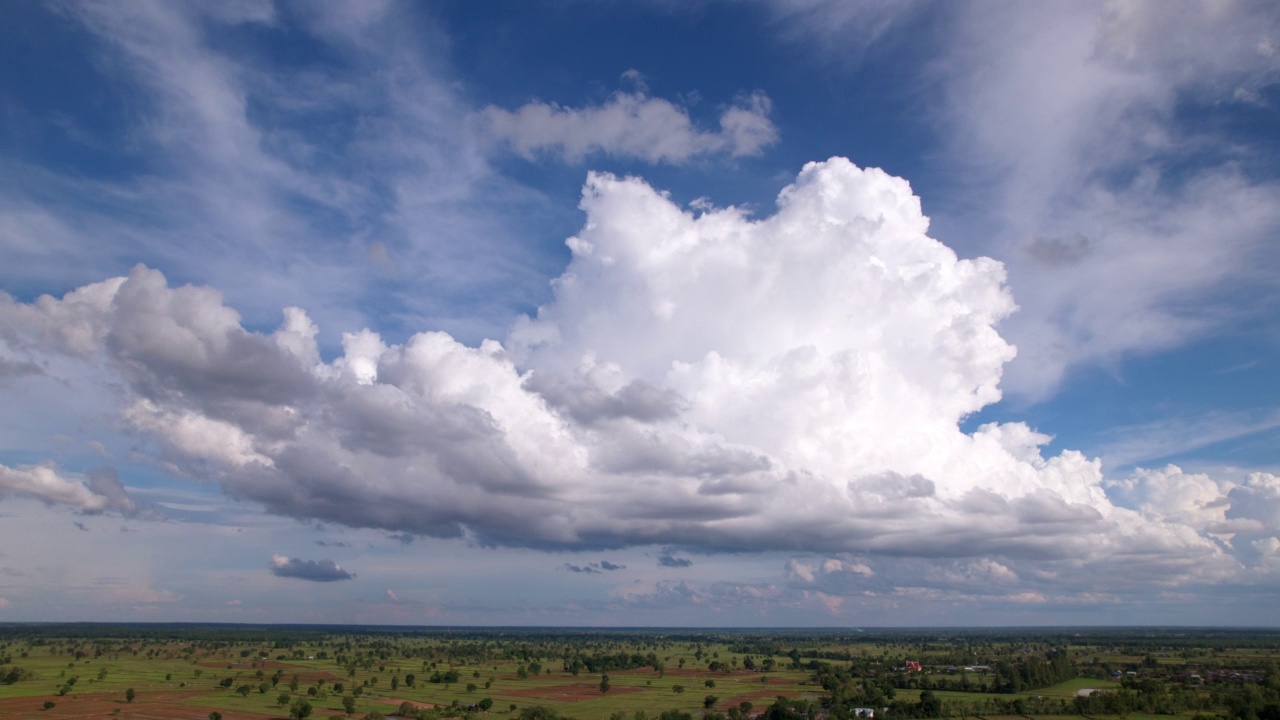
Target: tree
300 709
129 695
282 699
930 705
49 704
604 683
471 687
677 689
348 704
538 712
709 701
215 715
710 683
485 704
244 690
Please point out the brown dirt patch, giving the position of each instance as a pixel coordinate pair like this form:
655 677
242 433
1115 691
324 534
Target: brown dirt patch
248 664
417 704
569 693
96 706
697 672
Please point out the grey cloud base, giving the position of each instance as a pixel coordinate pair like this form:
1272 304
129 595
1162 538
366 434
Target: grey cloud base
313 570
702 380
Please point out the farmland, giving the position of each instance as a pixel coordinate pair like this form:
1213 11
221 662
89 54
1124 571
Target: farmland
259 672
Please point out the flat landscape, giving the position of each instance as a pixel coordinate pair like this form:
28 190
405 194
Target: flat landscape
201 671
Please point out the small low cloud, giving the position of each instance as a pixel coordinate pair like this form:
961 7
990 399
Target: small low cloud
313 570
594 568
395 599
141 595
668 559
81 526
14 369
102 492
631 125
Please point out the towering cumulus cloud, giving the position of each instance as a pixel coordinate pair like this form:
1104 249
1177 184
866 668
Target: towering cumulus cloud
701 379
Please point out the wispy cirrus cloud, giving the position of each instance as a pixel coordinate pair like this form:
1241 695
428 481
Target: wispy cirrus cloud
1075 123
249 162
1091 148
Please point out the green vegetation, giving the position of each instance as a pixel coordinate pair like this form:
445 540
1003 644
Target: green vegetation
317 672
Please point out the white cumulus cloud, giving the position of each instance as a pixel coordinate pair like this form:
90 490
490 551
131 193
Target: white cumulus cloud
702 380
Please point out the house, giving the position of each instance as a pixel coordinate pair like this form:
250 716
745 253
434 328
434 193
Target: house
913 666
868 713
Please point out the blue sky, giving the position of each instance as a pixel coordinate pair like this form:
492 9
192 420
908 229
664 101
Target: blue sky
568 313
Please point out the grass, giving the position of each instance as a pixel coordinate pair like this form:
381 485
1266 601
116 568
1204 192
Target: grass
1069 688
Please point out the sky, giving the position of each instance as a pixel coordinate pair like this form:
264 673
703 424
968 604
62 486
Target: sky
712 313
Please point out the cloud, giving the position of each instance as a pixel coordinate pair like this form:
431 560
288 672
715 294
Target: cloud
394 598
842 29
105 482
1091 145
141 596
242 157
669 560
103 491
1069 122
1153 441
1193 499
593 568
701 379
631 125
313 570
14 369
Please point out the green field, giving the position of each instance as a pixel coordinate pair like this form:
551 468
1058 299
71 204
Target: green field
255 673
